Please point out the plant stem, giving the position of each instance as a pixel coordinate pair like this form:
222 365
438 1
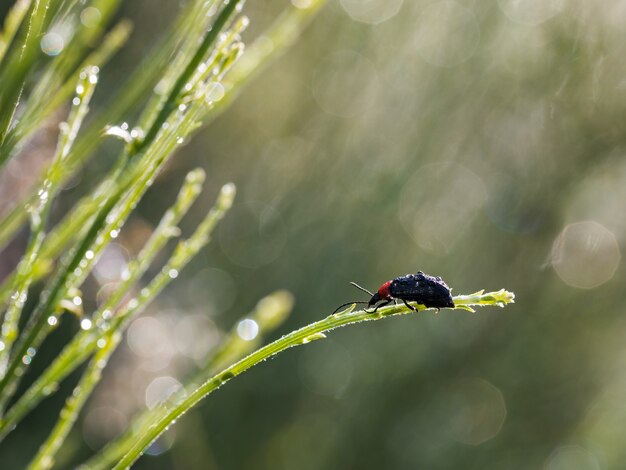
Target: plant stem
39 214
269 313
304 335
184 252
209 39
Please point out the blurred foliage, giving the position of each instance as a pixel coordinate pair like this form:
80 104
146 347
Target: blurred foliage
479 141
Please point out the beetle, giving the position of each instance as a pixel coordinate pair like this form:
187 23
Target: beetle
429 291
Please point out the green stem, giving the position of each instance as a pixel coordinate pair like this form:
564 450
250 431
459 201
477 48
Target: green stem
84 343
13 75
269 313
184 252
39 214
304 335
45 457
175 93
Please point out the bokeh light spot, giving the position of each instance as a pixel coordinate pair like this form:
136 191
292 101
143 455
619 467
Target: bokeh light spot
102 424
302 4
112 263
344 84
480 411
215 92
438 202
247 329
90 17
531 12
52 44
601 195
195 335
585 254
371 11
150 339
160 389
572 458
447 34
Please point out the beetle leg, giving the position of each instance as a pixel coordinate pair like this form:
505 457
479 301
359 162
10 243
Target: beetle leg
381 305
410 306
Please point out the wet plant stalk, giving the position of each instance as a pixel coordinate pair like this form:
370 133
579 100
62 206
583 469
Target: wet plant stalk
184 252
307 334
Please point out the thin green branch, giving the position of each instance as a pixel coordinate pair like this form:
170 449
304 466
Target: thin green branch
184 252
86 341
200 54
270 312
42 102
19 65
44 459
12 23
39 213
307 334
132 92
270 45
112 214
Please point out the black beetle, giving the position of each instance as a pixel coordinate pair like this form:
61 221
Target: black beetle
429 291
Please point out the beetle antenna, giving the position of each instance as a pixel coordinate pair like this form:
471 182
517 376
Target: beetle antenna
348 303
361 288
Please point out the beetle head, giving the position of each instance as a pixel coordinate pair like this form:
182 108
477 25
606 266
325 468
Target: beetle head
374 300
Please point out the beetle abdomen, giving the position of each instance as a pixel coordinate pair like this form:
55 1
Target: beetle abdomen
427 290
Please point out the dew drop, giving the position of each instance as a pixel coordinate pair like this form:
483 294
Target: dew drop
90 17
313 337
52 320
247 329
137 132
172 273
52 44
214 91
86 324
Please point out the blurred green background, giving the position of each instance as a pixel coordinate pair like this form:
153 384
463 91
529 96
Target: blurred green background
482 141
